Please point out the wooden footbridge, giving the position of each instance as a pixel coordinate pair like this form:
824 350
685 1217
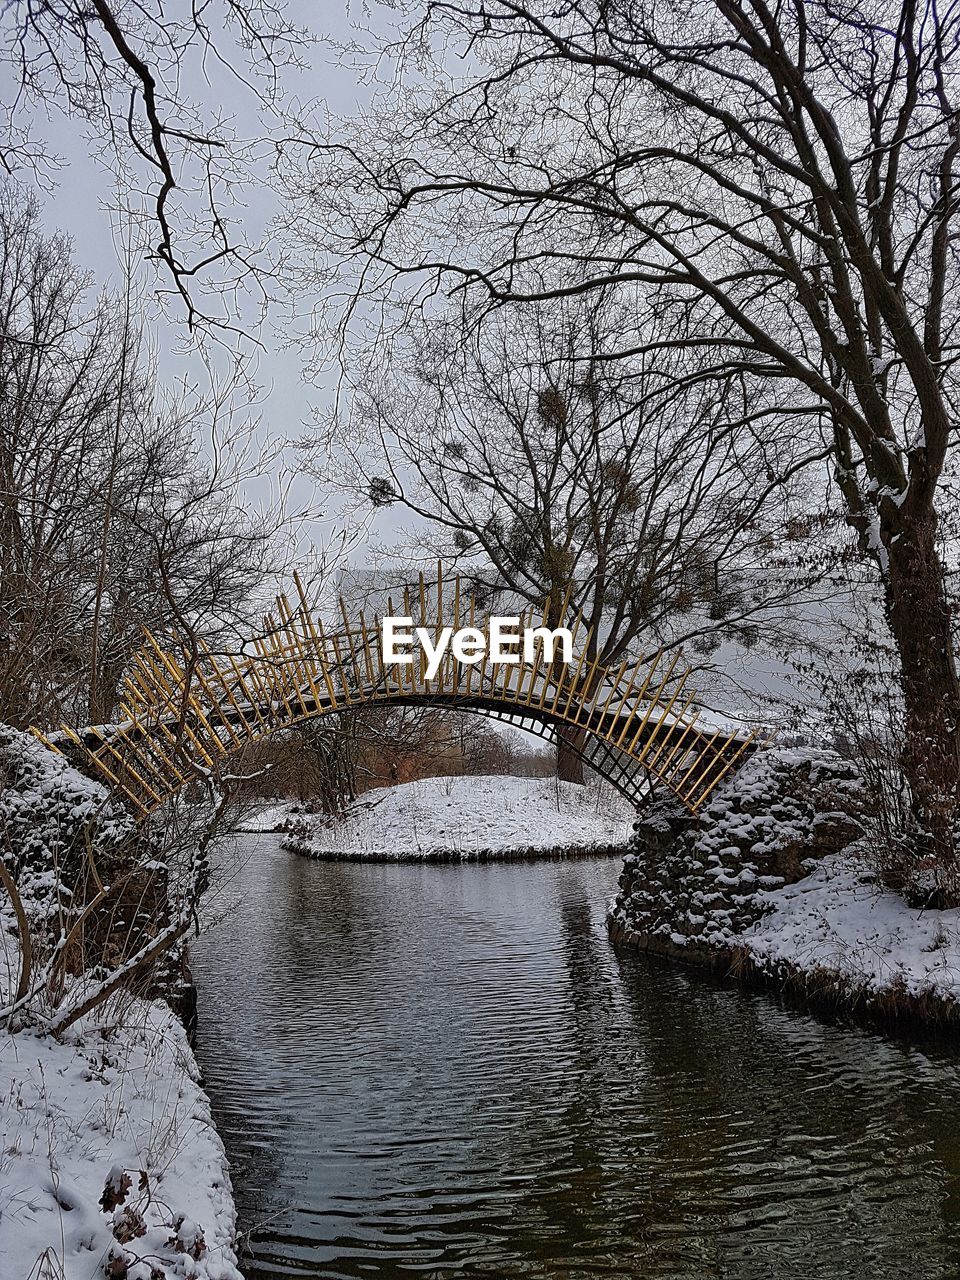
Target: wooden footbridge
186 708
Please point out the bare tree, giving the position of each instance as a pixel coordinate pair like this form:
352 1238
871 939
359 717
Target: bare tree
120 508
327 763
59 393
779 183
629 493
123 70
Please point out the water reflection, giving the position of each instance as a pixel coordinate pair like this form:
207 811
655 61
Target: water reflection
447 1071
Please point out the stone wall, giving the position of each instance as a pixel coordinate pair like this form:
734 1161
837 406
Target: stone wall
691 886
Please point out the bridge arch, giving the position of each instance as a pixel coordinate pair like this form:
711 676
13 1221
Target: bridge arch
186 708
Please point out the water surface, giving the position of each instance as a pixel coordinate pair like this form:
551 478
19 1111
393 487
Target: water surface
442 1071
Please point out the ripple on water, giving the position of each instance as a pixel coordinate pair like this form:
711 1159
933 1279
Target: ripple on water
447 1071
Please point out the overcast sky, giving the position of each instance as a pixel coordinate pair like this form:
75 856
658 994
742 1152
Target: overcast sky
83 203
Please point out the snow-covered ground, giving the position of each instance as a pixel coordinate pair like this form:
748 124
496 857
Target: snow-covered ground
276 816
110 1164
839 922
470 817
780 877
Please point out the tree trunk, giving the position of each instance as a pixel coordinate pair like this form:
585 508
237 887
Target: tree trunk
569 762
919 617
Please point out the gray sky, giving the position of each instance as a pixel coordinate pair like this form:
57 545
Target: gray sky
83 200
83 203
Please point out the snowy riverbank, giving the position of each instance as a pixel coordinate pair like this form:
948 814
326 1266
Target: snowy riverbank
110 1163
839 940
838 926
776 883
467 819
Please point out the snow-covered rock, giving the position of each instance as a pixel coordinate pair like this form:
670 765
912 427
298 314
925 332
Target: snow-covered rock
774 881
48 811
469 818
699 883
109 1162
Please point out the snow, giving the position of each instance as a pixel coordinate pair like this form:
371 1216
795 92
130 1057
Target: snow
272 818
44 803
839 920
470 817
110 1163
780 872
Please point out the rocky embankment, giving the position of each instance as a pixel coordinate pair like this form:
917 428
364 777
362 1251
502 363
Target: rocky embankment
775 882
111 1163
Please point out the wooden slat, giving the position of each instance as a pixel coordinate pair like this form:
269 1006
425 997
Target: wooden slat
715 782
297 671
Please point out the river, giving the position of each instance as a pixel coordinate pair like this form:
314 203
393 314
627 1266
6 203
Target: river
443 1071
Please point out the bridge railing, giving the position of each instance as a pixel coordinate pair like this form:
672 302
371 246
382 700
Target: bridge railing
186 707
